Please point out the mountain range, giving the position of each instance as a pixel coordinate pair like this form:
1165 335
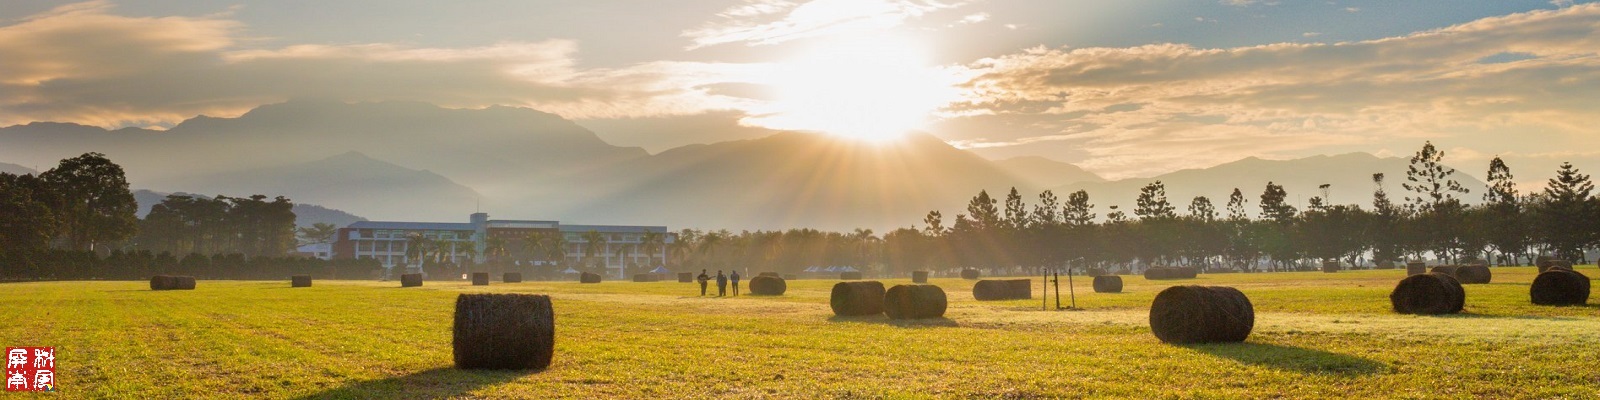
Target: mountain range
418 162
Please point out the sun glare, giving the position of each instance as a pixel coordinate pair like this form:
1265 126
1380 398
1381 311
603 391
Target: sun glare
871 89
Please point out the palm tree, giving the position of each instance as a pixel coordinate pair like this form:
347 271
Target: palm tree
593 243
622 254
494 249
418 248
320 232
708 245
555 248
651 242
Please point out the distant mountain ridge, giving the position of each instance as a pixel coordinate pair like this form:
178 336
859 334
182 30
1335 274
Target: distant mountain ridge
16 169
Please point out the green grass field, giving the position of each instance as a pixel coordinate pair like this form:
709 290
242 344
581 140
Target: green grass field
1317 336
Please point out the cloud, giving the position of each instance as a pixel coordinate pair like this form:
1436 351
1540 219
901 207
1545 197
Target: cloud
764 22
1187 107
81 63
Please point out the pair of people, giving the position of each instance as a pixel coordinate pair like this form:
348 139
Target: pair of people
722 283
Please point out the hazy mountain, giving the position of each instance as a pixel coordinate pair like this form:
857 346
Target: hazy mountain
353 181
1043 172
305 214
1349 177
790 180
16 169
494 150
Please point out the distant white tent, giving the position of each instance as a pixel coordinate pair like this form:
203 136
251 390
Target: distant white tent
660 270
848 269
811 269
570 271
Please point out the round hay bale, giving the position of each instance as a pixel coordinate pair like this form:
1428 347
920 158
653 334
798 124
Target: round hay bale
1385 264
1560 287
1201 314
504 331
1416 268
1473 274
1446 269
410 280
768 286
588 277
970 273
300 281
685 277
1002 289
857 298
1552 263
1432 293
511 277
161 282
183 283
771 274
1108 284
1331 266
849 276
480 279
919 276
914 302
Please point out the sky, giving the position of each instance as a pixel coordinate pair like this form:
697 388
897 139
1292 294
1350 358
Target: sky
1124 89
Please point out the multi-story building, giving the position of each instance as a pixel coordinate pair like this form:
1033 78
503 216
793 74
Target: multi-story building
517 242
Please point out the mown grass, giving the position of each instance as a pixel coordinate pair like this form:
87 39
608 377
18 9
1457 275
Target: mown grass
1317 336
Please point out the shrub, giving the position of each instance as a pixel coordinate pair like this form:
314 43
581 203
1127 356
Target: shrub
768 286
919 276
856 298
511 277
480 279
1473 274
1560 287
970 273
1108 284
300 281
503 331
410 280
1432 293
914 302
1201 314
1003 289
588 277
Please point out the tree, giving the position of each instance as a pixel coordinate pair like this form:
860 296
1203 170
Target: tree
1153 202
1016 211
1201 208
1439 214
418 248
1505 228
651 242
320 232
1274 204
93 204
1236 204
1566 210
1385 225
26 225
593 243
1078 211
1277 238
1046 213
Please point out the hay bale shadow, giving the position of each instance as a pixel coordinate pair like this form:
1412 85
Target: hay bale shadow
1290 358
434 383
881 319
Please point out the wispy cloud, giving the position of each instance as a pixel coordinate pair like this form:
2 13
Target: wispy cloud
764 22
1167 106
82 63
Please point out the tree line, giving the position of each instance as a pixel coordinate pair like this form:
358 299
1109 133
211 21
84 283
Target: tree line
78 221
1428 220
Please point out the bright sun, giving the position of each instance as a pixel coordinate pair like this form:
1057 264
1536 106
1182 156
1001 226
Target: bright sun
874 89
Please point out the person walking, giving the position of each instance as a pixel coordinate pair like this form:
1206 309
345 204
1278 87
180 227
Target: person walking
703 279
722 284
734 278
